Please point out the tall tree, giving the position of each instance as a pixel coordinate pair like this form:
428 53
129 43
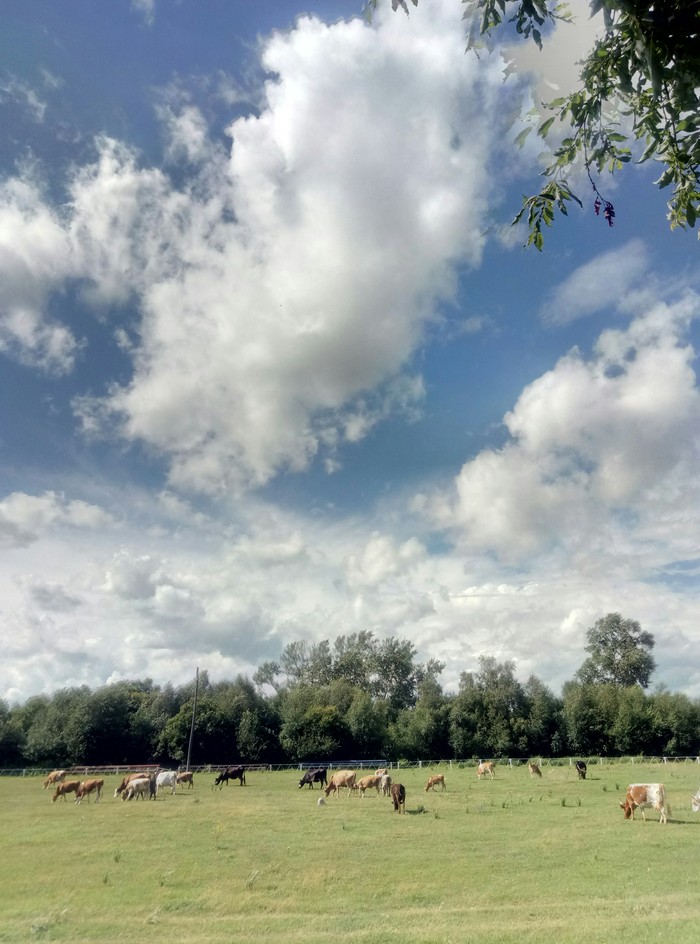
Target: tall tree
645 66
619 653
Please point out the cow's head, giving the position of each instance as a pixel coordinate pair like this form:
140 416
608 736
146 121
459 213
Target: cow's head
627 807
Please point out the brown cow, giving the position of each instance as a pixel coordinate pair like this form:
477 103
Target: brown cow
342 778
398 796
87 787
434 781
64 788
186 777
643 796
380 772
488 767
367 783
56 776
534 770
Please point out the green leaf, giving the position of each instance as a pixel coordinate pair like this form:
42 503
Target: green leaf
544 127
522 137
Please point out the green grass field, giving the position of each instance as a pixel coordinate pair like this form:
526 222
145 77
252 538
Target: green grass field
510 860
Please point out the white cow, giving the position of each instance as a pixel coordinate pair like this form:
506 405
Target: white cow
166 778
137 788
695 800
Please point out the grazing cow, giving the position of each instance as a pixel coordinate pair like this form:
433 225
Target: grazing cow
314 775
487 767
87 787
644 796
126 780
386 785
434 781
138 788
186 777
166 778
231 773
369 782
581 769
398 796
695 801
380 772
56 776
534 770
341 778
64 788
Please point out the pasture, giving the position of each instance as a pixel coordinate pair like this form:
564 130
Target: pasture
513 859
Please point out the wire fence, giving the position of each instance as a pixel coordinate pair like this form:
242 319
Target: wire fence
121 769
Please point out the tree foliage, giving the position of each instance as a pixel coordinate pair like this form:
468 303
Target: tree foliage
377 701
639 83
619 653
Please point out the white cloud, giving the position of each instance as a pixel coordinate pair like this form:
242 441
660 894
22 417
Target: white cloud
604 283
24 518
590 442
284 291
35 259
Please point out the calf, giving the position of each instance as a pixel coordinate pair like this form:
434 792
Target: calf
314 775
487 767
186 777
342 778
64 788
56 776
534 770
86 788
386 785
644 796
581 769
398 797
434 781
367 783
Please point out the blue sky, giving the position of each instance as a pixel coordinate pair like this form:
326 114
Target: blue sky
274 366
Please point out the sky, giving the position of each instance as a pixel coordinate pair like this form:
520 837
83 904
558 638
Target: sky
274 366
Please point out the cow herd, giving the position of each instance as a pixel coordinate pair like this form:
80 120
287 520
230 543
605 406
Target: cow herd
143 785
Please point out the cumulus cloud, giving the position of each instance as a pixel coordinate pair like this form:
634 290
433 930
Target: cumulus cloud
608 281
590 441
35 260
25 518
284 291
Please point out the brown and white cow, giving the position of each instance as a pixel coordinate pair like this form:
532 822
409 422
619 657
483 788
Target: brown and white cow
487 767
434 781
342 778
87 787
64 788
534 770
126 780
140 787
398 797
186 777
370 782
56 776
380 772
645 796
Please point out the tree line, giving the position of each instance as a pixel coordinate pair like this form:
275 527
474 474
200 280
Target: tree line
363 697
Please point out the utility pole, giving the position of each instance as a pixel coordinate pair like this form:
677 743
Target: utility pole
194 711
